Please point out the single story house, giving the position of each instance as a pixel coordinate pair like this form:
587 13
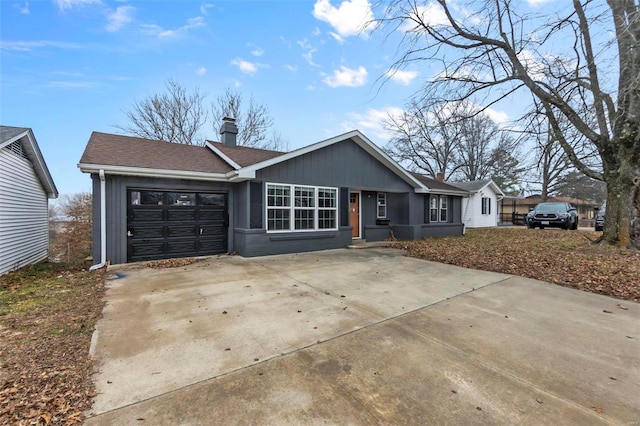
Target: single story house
25 189
481 208
156 200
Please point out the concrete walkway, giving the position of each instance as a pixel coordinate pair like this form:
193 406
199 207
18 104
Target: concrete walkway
359 337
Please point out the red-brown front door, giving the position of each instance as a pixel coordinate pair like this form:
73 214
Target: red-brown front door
354 214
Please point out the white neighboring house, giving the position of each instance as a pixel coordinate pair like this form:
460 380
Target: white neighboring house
480 209
25 188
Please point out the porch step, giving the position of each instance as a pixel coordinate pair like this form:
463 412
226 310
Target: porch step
363 244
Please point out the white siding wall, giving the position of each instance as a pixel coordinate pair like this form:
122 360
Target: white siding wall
24 228
472 215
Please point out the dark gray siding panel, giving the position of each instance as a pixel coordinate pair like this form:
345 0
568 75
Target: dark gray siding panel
343 205
117 207
251 243
95 226
338 165
256 205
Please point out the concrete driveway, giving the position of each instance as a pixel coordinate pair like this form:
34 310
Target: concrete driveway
359 337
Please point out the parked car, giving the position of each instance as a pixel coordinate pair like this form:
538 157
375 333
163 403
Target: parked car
600 216
553 215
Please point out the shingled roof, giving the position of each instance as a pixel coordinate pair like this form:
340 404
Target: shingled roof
436 185
245 156
126 151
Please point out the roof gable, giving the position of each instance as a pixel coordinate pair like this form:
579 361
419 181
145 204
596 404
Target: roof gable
475 186
242 156
25 136
356 136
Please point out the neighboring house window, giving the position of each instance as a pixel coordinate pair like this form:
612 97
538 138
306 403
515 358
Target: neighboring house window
438 208
301 208
486 205
382 205
444 216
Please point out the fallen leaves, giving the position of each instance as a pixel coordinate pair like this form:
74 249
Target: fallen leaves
45 375
565 258
171 263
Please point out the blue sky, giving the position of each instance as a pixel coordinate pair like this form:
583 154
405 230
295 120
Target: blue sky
70 67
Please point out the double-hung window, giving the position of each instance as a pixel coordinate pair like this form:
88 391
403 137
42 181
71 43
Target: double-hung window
382 205
438 208
301 208
486 205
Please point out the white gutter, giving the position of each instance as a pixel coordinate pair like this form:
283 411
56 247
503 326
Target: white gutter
103 224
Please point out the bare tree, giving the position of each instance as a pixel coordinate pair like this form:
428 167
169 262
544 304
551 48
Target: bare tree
72 239
565 60
422 141
252 118
173 116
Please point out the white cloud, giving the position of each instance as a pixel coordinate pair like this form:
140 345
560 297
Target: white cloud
309 50
71 84
28 46
316 31
536 3
292 68
349 19
535 68
68 4
154 30
372 121
402 77
204 8
257 52
119 18
24 9
431 15
245 66
201 70
347 77
499 117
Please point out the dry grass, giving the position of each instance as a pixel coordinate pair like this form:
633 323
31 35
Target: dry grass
567 258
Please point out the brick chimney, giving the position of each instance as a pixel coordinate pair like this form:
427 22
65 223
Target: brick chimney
440 177
228 131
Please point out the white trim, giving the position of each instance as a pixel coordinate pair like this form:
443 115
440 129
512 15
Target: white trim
292 208
378 205
249 172
148 172
35 156
359 212
222 155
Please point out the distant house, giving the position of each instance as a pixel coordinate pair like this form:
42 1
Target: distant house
157 200
25 189
481 208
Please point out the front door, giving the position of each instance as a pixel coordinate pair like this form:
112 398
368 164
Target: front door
354 214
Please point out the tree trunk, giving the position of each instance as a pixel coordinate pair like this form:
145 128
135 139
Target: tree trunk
622 217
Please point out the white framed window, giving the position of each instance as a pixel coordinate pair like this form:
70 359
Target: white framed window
382 205
438 208
444 208
301 208
486 205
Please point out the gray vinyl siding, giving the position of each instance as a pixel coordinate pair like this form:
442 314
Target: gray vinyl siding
24 221
116 214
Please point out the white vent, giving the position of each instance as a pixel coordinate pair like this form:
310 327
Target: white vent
16 148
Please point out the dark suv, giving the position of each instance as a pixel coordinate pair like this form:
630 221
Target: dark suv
600 217
553 215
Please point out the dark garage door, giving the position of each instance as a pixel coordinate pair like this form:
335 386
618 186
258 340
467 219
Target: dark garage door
163 224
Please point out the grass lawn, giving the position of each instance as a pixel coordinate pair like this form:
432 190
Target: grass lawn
47 315
567 258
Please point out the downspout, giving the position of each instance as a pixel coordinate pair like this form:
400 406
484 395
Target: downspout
103 224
